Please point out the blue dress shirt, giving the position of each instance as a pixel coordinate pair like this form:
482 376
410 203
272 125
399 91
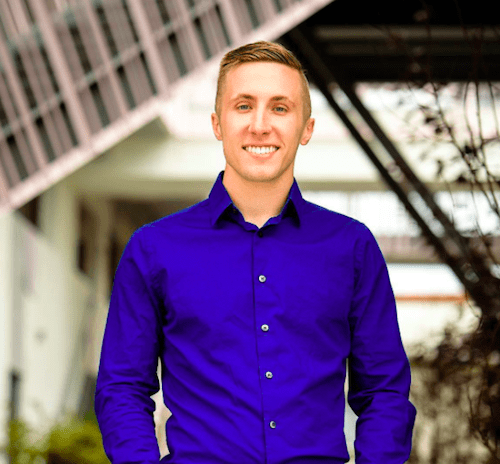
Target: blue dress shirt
254 329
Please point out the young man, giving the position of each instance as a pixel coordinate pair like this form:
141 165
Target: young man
255 301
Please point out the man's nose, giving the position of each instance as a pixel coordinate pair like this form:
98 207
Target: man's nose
260 123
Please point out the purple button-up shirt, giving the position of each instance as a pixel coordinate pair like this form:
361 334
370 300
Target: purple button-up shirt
255 329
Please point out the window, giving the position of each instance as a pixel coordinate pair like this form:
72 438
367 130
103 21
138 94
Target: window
68 123
253 13
126 87
44 137
99 103
203 39
4 121
45 58
222 24
279 7
16 155
3 30
174 44
77 41
148 73
130 22
165 18
23 77
101 14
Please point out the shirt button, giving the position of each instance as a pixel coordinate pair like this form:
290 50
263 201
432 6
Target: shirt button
264 327
259 233
269 375
262 278
272 424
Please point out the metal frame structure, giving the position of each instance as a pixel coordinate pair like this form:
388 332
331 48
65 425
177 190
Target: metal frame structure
470 264
77 76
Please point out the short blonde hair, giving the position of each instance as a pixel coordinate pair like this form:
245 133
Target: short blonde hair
257 52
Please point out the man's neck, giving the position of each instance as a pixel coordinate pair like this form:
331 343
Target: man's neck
257 201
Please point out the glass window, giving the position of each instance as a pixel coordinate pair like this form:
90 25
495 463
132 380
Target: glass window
28 11
4 167
68 123
45 58
130 22
77 41
16 156
126 87
279 7
3 30
23 77
99 103
148 73
4 121
222 24
174 45
101 14
44 136
203 38
252 13
165 17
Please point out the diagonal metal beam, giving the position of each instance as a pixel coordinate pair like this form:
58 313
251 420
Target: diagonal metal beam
62 71
150 47
100 41
468 264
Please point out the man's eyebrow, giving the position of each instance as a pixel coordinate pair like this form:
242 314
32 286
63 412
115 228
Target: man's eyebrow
282 98
243 96
251 97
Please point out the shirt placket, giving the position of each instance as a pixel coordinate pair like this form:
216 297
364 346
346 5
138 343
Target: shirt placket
267 334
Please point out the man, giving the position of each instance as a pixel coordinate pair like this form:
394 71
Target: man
255 301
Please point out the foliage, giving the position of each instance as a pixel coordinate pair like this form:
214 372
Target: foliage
467 369
457 126
71 441
446 390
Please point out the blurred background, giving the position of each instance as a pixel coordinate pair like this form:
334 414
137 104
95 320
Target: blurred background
105 126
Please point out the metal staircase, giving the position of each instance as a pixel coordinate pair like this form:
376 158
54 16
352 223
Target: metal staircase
77 76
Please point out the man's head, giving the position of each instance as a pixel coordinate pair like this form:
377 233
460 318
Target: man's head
261 52
262 113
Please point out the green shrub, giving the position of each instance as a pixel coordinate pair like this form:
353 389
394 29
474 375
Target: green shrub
71 441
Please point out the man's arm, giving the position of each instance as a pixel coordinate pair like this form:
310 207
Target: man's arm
379 371
128 368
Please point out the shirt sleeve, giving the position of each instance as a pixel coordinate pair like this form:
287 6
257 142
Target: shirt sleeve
379 371
128 366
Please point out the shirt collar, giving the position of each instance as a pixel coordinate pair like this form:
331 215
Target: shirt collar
219 201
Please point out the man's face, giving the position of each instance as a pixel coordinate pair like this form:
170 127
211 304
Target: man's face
261 121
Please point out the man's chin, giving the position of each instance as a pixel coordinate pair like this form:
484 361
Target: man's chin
262 176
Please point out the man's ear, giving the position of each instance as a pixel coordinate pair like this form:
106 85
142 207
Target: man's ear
307 132
216 126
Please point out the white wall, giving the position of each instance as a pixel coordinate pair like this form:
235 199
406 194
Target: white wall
45 309
5 321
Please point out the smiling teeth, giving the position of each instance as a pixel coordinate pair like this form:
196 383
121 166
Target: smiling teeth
261 150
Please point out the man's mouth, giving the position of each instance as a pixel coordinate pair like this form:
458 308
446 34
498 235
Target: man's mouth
260 150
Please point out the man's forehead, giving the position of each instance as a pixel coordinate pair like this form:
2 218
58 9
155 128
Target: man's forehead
274 72
262 77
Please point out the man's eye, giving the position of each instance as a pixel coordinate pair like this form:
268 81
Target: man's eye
243 107
280 109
